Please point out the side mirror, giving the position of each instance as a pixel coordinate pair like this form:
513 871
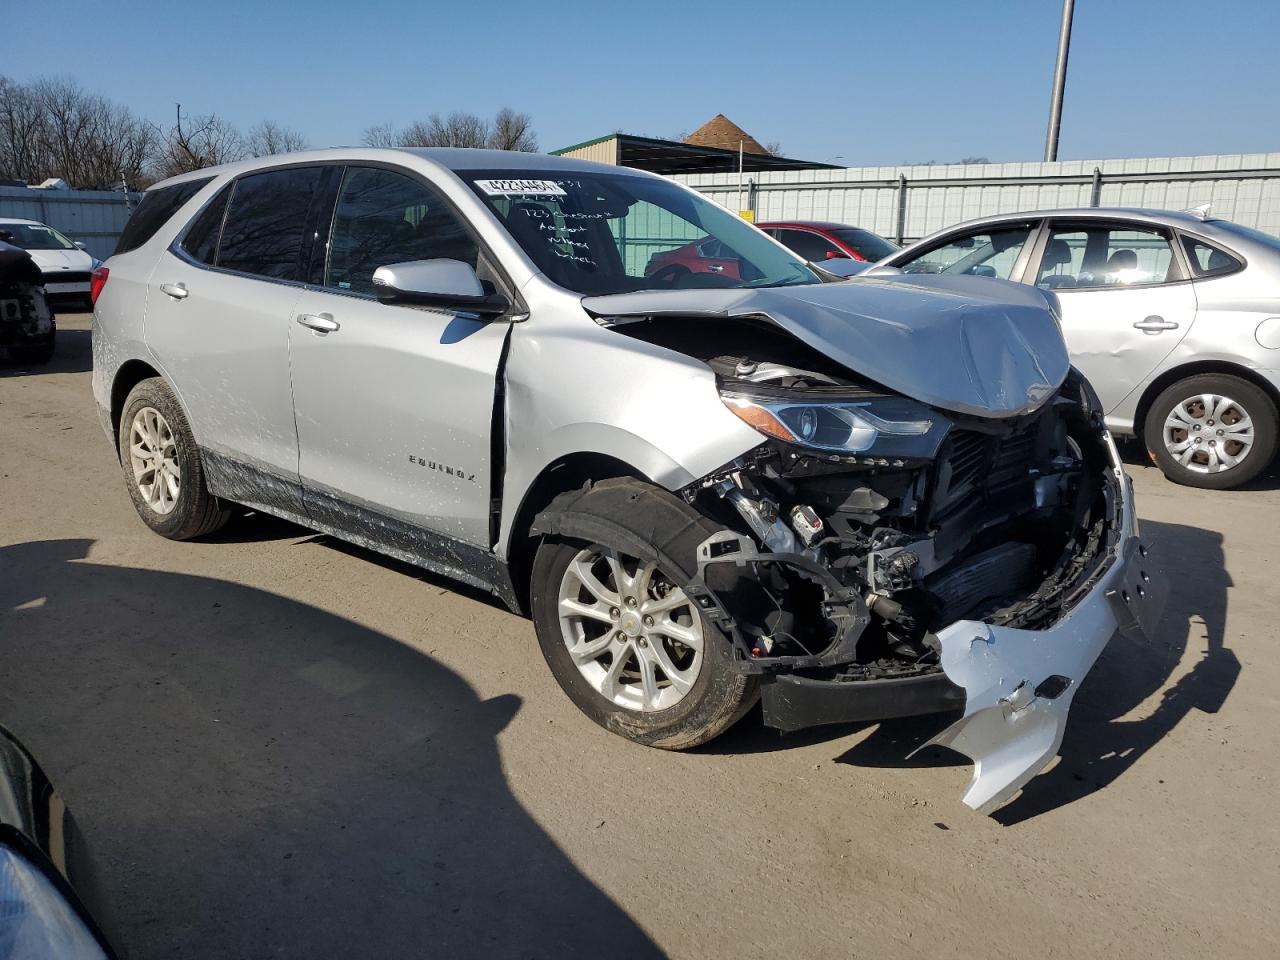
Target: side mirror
443 284
80 244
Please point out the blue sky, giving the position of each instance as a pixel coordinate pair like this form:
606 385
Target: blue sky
869 83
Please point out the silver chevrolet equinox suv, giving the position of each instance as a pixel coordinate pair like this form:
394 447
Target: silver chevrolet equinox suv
847 500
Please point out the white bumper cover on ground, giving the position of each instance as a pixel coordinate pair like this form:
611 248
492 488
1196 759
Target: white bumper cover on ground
1019 684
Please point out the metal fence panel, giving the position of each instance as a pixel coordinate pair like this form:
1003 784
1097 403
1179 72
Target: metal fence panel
1241 187
94 217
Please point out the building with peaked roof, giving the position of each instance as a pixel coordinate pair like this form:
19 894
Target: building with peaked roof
723 134
712 148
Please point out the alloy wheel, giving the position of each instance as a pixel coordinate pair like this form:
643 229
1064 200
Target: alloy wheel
153 454
633 635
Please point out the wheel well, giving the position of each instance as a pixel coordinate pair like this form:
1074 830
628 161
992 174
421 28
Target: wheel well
567 473
1170 377
130 374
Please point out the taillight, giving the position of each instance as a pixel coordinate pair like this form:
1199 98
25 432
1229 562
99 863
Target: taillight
97 280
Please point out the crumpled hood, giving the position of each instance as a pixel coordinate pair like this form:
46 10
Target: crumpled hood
972 345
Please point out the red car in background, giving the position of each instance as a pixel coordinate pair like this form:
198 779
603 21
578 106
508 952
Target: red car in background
815 241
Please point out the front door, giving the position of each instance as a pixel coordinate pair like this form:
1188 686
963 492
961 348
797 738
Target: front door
1126 302
394 404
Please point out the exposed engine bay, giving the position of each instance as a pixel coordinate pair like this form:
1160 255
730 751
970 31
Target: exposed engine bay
869 521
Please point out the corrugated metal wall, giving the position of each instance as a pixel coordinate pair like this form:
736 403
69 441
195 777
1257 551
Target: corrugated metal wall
602 151
94 217
1242 187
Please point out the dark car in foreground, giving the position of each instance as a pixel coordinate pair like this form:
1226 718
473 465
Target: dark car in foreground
50 902
27 327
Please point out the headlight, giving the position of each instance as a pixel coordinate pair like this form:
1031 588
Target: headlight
35 919
844 427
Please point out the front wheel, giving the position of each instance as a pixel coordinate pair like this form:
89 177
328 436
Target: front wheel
1213 431
627 645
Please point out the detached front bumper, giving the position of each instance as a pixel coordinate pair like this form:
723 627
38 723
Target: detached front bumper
1015 686
1019 684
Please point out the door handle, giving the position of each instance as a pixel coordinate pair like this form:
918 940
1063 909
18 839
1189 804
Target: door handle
176 290
715 267
321 323
1153 325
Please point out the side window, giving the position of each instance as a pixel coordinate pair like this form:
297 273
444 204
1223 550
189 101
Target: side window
266 221
711 249
201 240
991 253
811 246
156 208
1208 260
385 217
1106 256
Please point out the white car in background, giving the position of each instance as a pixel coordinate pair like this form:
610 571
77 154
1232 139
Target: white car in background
64 264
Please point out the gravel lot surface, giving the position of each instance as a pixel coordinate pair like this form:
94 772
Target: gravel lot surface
281 746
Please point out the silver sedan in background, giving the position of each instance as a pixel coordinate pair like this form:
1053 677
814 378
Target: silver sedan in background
1173 317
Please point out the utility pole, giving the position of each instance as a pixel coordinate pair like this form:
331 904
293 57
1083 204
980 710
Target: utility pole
1059 81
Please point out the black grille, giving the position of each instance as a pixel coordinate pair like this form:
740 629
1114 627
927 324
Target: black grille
66 276
968 457
974 462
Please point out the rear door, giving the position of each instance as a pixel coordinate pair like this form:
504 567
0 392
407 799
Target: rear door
220 304
394 404
1126 299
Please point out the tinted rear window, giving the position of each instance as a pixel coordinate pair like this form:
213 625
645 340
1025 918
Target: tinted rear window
266 222
201 241
156 208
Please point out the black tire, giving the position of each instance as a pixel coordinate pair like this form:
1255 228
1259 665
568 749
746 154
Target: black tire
38 352
195 511
719 696
1248 397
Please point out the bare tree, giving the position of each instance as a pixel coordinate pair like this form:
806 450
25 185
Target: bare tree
513 131
269 138
774 148
383 135
52 128
197 142
455 130
22 137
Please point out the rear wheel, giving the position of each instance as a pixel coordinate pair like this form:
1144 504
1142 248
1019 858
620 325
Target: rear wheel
626 644
162 465
1213 431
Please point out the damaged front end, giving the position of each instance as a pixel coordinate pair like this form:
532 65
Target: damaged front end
885 557
25 318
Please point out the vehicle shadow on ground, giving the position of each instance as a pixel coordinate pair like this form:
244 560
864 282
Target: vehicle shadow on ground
1102 741
258 777
73 353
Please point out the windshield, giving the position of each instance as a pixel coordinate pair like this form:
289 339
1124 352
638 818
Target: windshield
866 244
36 236
601 233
